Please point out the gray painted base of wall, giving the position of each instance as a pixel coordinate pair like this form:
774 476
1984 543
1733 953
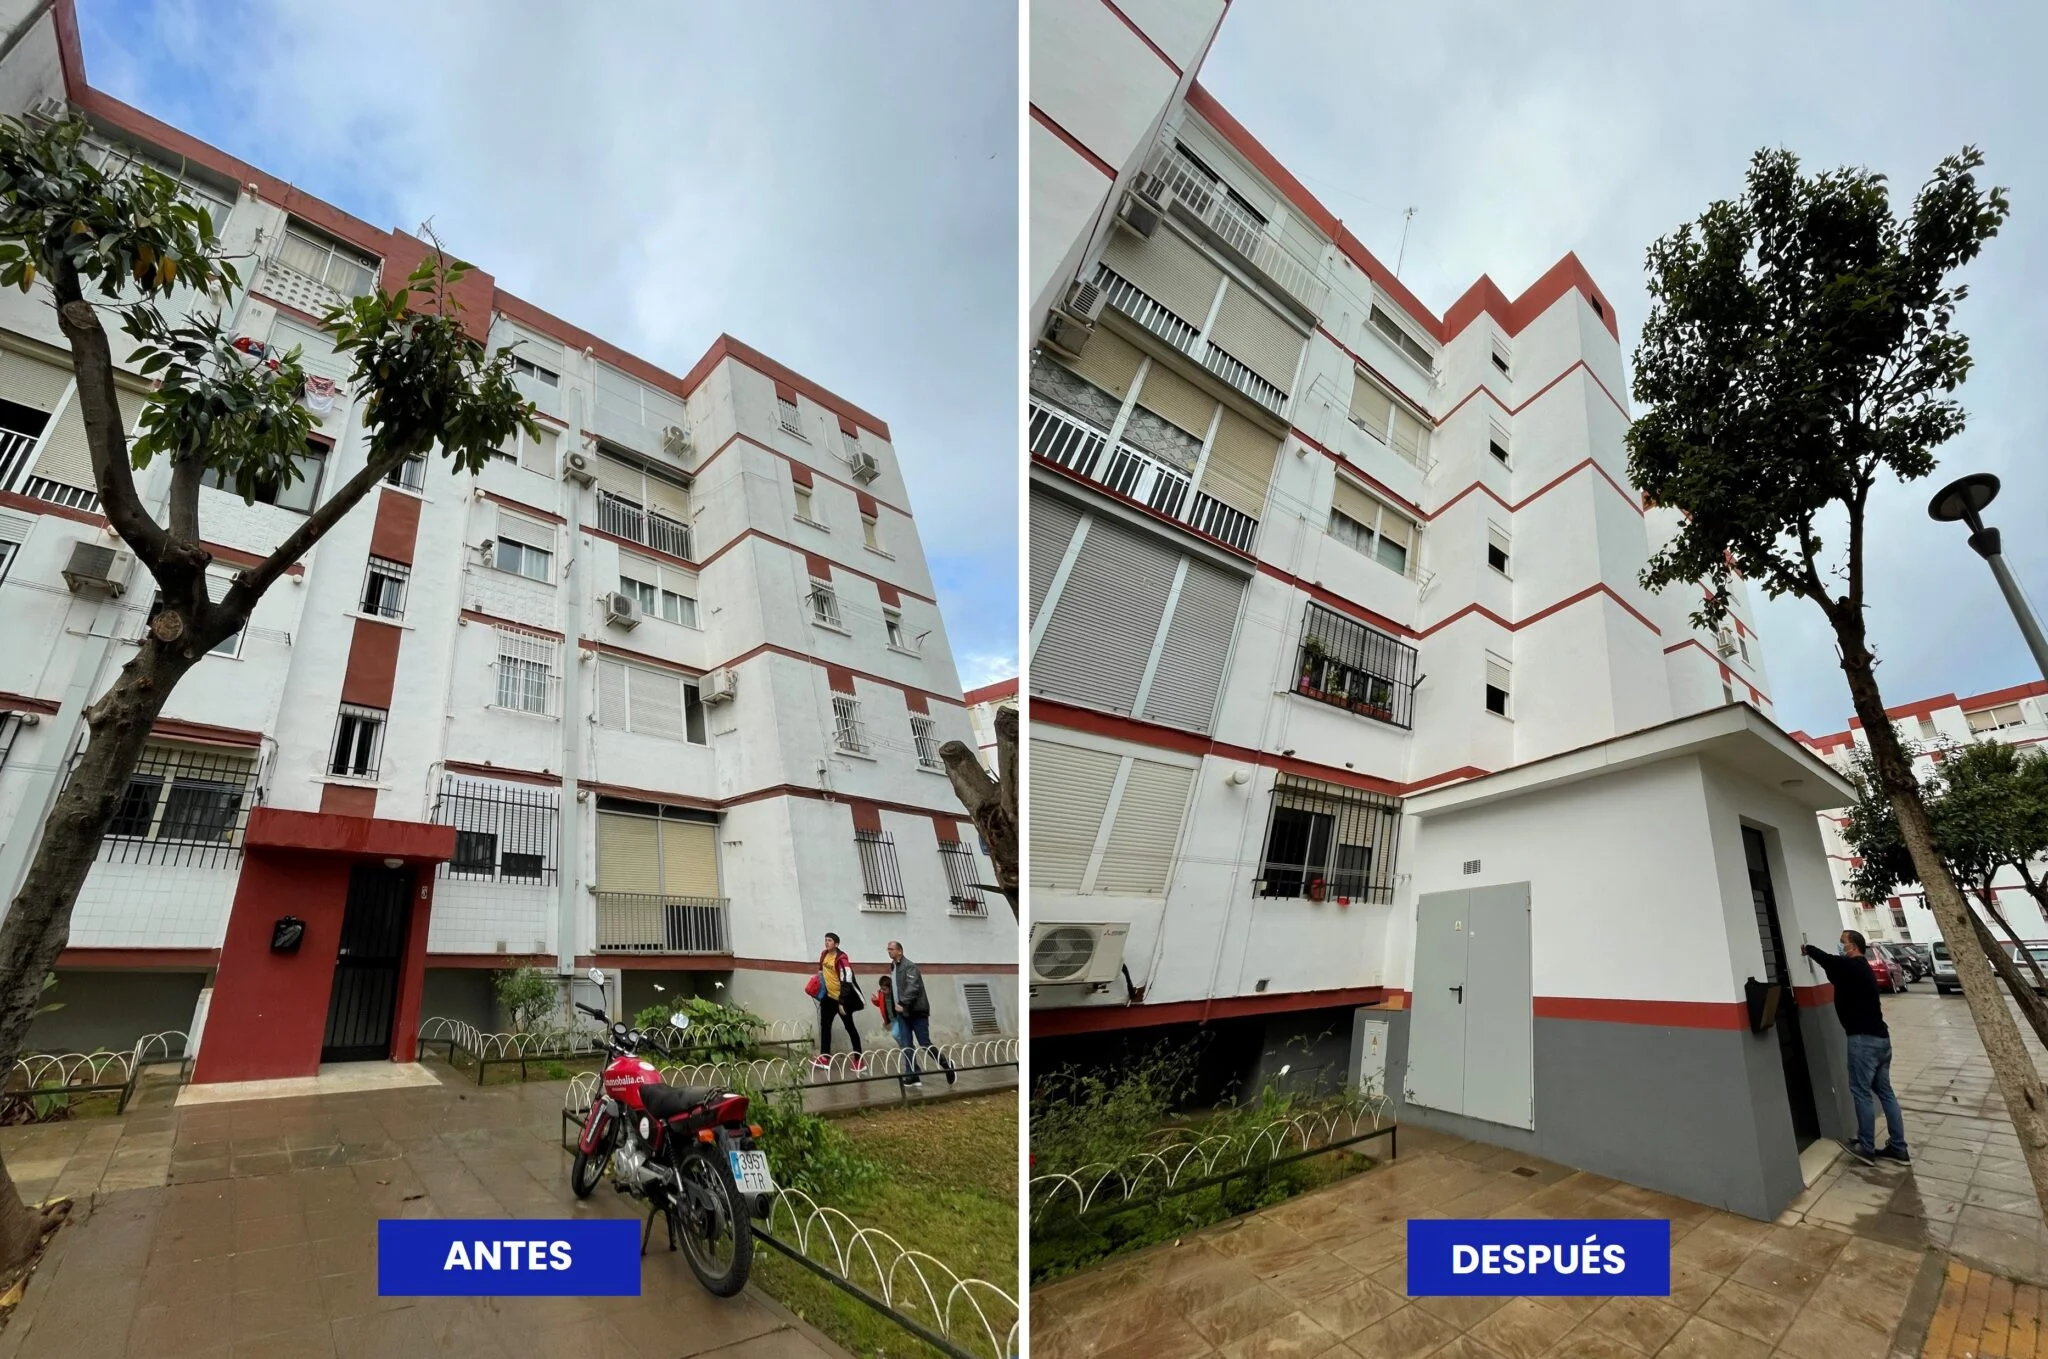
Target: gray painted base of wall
112 1009
1699 1113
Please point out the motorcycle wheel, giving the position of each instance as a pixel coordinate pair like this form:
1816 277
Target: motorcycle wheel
586 1171
711 1220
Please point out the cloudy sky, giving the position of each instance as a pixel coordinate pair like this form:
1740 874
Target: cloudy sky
834 184
1519 132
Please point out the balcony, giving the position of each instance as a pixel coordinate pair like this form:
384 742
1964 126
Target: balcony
648 922
1067 441
15 448
628 429
1134 302
620 516
1189 192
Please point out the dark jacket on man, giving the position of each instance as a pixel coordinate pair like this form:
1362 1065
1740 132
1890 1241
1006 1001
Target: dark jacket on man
1856 1003
911 998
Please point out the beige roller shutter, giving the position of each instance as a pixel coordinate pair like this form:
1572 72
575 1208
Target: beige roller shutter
1396 527
1110 362
1252 333
1172 272
1358 504
611 695
1053 522
657 702
1174 399
667 498
1411 436
31 382
628 853
1139 856
617 478
1371 407
65 457
1240 464
538 455
689 859
1063 828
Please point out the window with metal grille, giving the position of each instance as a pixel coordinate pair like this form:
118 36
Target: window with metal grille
1325 841
1352 666
384 588
1899 921
980 1002
923 734
962 879
217 585
849 733
824 605
1499 682
502 831
789 417
410 474
881 877
526 671
358 742
183 805
653 702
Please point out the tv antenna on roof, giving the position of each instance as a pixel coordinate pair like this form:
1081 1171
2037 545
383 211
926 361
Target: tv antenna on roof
1407 216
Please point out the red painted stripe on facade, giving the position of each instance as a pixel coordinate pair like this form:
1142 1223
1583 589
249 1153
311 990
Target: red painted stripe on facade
24 703
171 729
1044 120
342 800
479 616
809 557
991 693
726 347
638 657
1548 486
1671 1014
1082 1019
492 771
1589 592
1108 5
1373 483
123 959
1716 659
770 647
372 670
15 500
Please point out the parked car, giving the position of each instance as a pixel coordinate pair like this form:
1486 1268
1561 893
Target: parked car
1902 962
2038 950
1944 970
1920 954
1889 976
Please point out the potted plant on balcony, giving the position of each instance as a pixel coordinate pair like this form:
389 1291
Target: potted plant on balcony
1313 653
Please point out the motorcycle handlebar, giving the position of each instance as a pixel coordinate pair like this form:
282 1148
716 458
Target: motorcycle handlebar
596 1014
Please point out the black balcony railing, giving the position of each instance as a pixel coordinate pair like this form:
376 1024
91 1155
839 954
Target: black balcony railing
183 806
654 922
1355 667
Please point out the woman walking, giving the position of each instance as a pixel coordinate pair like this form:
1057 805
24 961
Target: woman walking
838 996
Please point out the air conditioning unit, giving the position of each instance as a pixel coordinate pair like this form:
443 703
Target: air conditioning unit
576 467
1137 216
675 441
621 609
96 570
1064 954
720 686
1724 642
1084 302
48 109
865 468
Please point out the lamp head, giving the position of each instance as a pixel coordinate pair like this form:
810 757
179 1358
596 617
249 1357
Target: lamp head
1964 499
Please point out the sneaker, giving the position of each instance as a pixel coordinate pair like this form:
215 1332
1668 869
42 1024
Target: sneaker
858 1064
951 1074
1861 1153
822 1059
914 1081
1895 1153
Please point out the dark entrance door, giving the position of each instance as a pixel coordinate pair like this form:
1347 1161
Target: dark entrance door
1777 968
366 969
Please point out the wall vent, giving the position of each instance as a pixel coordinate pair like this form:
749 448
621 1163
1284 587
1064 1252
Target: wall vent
1471 867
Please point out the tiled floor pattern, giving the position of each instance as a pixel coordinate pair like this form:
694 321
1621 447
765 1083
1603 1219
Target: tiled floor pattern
1984 1316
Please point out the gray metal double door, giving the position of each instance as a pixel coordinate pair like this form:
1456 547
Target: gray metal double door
1472 1032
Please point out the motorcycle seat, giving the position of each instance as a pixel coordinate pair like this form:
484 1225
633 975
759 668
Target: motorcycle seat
667 1102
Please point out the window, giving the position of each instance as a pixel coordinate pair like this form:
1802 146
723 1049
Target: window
7 550
962 878
1497 684
384 588
535 371
1362 522
525 547
1742 644
1497 444
871 533
635 504
648 701
1927 729
301 494
358 742
892 624
1497 543
476 855
788 416
1349 665
326 262
1899 921
217 585
526 671
1500 361
657 875
1995 719
1327 842
410 475
1138 834
1398 336
663 592
824 605
849 733
535 455
502 830
881 877
805 510
1727 692
922 734
183 804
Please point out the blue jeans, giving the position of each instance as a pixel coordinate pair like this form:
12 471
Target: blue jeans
1870 1074
914 1034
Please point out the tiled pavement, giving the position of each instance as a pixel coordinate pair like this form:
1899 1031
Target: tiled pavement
1981 1314
250 1229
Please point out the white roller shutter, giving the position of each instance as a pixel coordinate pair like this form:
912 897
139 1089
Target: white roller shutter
1053 522
1100 634
1172 272
611 695
1252 333
1138 858
657 702
617 478
1064 828
667 498
31 382
1190 670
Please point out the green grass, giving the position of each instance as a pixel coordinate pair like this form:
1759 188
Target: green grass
948 1189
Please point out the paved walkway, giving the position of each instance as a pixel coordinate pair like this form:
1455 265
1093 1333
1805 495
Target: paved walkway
250 1229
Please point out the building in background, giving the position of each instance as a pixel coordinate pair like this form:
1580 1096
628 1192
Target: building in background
1356 747
662 690
982 705
2014 716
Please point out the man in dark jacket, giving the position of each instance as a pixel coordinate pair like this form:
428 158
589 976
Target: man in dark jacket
914 1005
1870 1048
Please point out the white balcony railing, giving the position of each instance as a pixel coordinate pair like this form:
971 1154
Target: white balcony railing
616 514
1202 199
1134 302
1067 441
15 448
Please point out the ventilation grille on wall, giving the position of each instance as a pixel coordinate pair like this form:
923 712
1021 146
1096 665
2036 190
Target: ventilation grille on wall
1471 866
982 1016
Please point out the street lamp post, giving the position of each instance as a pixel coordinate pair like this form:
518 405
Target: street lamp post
1965 500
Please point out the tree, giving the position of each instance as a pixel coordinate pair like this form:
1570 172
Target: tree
120 241
1800 348
992 802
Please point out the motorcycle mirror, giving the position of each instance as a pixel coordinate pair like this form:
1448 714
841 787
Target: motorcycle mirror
679 1020
596 975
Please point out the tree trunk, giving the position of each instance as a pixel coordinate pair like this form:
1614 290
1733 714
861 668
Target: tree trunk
2026 1102
1990 903
991 802
2029 1000
38 922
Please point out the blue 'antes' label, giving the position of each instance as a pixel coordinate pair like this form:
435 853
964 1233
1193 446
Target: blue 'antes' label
508 1257
1538 1257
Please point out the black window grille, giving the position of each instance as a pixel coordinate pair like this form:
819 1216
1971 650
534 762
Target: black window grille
962 878
1327 842
183 806
358 742
502 831
881 877
1355 667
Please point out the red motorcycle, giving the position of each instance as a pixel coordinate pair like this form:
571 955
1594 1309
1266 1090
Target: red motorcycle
689 1152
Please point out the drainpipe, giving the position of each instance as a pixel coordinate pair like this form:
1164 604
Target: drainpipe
569 852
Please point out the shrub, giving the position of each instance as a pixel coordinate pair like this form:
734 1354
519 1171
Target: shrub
717 1032
528 994
806 1151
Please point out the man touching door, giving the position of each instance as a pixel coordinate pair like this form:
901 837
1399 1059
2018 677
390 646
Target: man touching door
1870 1048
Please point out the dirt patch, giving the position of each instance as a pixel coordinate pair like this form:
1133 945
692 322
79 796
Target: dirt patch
14 1283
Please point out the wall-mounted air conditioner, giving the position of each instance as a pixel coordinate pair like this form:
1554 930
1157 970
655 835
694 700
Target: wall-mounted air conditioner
1084 302
1138 216
675 441
720 686
621 610
576 467
865 468
1065 954
1724 642
96 570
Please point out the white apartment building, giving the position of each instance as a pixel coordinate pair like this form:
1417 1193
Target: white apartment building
1355 744
982 706
2012 716
661 691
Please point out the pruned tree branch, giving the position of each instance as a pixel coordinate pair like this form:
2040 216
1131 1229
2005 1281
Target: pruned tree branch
991 802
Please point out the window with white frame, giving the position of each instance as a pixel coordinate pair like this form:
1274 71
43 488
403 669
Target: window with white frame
1376 410
649 702
806 507
1499 683
326 262
1742 644
892 624
1498 546
410 475
527 681
1361 521
358 742
217 585
7 550
824 604
1398 336
849 733
1996 719
299 493
788 416
384 584
534 454
1927 728
871 533
924 735
1497 444
663 591
635 504
525 547
1501 356
529 368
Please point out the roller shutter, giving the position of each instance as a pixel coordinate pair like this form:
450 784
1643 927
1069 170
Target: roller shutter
667 498
1172 272
1190 670
1411 436
1177 401
31 382
65 457
1359 505
1138 859
1094 647
628 853
1110 362
1053 522
689 859
1253 333
1064 828
617 478
1240 464
1371 408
